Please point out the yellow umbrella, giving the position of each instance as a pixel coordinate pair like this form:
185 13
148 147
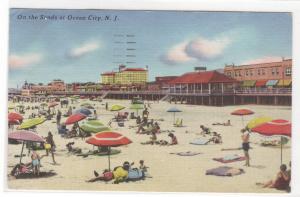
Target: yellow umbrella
116 108
31 123
11 107
257 121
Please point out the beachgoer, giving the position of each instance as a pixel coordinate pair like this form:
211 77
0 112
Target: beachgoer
49 140
35 159
71 149
58 117
173 139
245 145
205 130
281 182
106 106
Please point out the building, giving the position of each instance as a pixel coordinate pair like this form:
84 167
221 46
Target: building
57 85
160 83
202 82
125 76
271 74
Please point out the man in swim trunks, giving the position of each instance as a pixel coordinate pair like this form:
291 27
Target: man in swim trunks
245 145
35 159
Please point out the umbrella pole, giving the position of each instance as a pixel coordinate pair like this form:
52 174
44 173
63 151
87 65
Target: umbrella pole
280 150
22 152
108 158
174 118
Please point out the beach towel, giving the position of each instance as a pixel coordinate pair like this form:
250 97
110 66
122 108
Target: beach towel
188 153
135 174
225 171
229 158
199 141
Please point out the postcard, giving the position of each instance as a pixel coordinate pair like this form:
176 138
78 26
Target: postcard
149 100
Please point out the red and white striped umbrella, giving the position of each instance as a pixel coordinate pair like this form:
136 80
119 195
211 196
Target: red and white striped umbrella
109 139
242 113
275 127
75 118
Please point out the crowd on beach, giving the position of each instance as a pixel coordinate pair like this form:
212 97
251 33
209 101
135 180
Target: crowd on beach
144 125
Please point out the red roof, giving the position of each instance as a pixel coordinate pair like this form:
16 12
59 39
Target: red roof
108 73
202 77
134 69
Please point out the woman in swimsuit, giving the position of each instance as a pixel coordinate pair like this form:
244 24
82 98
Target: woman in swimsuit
281 182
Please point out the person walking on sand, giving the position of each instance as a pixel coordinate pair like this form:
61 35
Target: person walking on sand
245 145
49 140
106 106
58 117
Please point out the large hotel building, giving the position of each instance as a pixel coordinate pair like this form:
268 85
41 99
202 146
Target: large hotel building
125 76
277 74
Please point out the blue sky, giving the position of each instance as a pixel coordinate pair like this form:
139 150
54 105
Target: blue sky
169 42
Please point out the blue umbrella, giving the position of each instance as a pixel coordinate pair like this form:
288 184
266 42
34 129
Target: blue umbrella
84 111
174 110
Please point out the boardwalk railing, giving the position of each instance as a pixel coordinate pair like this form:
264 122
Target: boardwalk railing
252 91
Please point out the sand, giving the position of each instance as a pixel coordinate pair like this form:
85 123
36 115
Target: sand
171 173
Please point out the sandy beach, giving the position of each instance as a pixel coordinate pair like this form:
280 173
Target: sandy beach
170 172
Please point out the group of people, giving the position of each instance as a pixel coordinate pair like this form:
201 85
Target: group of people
215 137
123 173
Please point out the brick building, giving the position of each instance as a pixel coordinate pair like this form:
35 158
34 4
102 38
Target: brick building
276 74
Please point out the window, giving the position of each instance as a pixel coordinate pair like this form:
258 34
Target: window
247 72
258 71
273 71
288 71
277 71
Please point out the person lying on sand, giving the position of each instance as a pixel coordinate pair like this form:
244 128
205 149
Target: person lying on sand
106 176
71 149
223 124
281 182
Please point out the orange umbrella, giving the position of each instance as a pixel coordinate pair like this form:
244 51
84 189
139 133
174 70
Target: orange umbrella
242 113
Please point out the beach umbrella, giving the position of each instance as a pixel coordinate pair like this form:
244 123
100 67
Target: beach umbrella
174 110
25 136
15 116
31 123
74 118
137 107
108 139
13 122
53 104
257 121
116 108
83 111
278 127
242 113
93 126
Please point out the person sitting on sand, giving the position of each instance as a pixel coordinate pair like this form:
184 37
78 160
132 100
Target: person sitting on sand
173 139
216 138
281 182
153 139
205 130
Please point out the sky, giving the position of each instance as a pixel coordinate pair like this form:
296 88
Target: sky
79 45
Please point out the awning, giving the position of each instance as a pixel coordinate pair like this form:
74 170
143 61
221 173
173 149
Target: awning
271 83
284 82
260 83
248 83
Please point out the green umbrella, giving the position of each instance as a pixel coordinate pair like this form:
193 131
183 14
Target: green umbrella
116 107
31 123
93 126
137 107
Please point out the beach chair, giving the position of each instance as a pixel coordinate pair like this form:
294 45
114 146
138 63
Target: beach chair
178 123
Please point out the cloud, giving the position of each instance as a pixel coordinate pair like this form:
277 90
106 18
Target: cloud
83 49
204 49
21 61
176 55
196 49
263 60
